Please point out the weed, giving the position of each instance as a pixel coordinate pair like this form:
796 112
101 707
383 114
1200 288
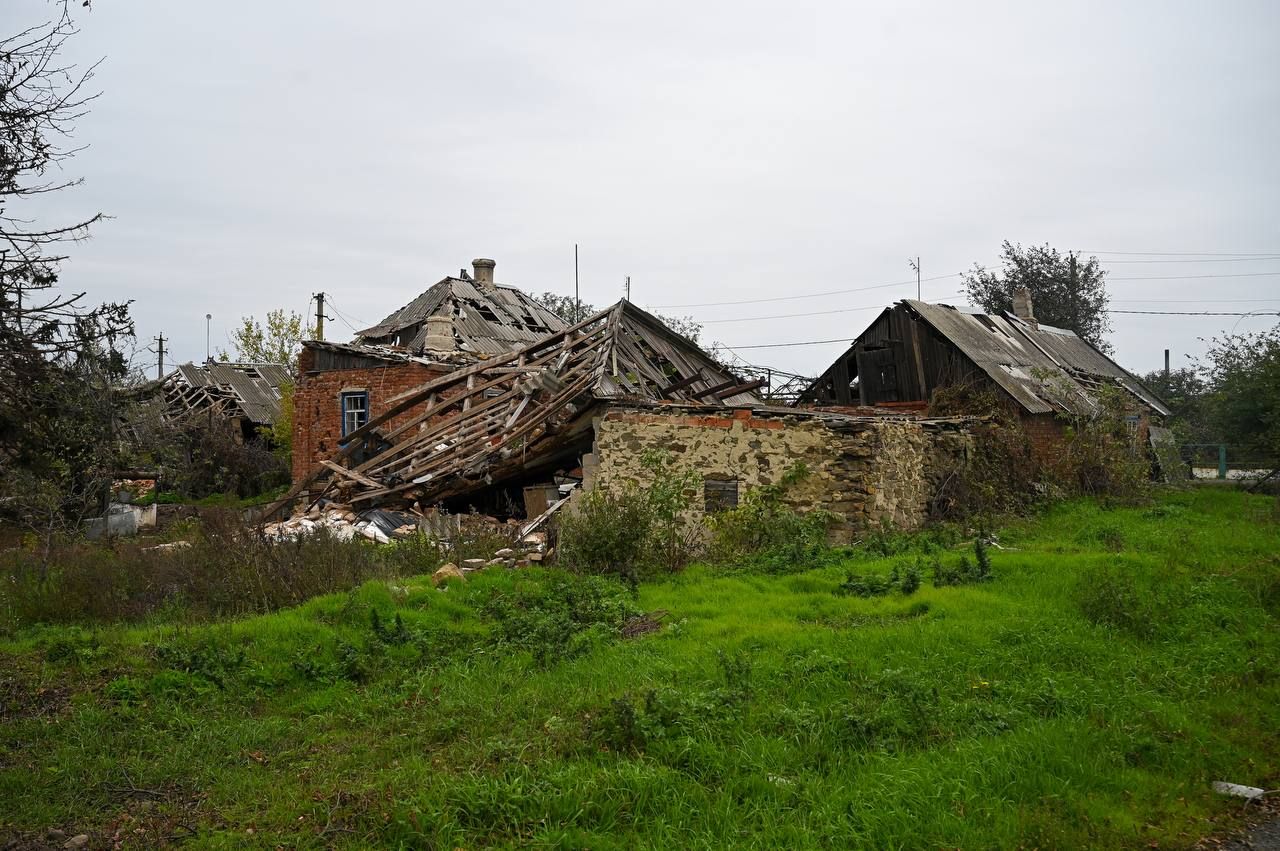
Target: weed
905 581
1110 596
965 572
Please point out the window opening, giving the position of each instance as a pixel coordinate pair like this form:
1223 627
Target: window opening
355 411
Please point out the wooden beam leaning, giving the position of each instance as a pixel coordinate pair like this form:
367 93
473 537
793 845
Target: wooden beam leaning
741 388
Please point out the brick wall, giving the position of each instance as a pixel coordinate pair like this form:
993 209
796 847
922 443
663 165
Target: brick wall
865 473
1046 436
317 405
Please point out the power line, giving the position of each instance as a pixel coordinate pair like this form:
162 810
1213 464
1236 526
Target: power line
788 345
1198 312
806 295
1183 253
1194 300
1261 258
811 313
1149 312
1194 277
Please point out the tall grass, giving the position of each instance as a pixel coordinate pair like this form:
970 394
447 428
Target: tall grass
768 711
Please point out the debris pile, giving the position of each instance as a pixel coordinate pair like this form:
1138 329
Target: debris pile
525 543
341 522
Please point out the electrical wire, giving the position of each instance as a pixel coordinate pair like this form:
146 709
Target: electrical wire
1184 253
1195 277
1260 258
806 295
788 345
1198 312
1145 312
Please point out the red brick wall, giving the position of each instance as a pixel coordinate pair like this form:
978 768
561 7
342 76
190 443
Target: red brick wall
317 404
1046 434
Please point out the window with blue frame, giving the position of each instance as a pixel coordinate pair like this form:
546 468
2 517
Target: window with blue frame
355 411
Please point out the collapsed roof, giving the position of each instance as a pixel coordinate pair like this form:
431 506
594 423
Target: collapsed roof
250 391
1042 368
485 318
497 418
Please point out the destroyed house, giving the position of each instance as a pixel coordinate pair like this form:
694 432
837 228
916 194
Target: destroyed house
245 394
913 349
457 322
586 404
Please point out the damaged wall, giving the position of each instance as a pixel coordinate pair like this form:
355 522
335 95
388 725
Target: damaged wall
865 471
317 403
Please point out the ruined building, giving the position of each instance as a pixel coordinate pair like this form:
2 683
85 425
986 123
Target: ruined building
914 349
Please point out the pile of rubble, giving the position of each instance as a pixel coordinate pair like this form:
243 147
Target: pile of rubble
526 545
529 551
344 524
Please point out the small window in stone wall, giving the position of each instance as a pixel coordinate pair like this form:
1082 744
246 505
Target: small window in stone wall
720 494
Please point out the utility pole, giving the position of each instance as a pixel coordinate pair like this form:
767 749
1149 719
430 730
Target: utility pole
628 288
160 352
577 302
1075 289
208 323
915 264
1166 364
319 316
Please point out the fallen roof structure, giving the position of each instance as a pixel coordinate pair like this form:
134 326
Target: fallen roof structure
909 350
247 391
520 410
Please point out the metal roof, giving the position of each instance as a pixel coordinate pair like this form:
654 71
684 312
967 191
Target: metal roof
484 321
1043 368
253 387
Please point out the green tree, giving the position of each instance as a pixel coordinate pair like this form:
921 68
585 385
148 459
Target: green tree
278 340
1066 291
1187 395
1243 374
58 357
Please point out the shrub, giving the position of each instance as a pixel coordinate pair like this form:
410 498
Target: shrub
907 582
621 530
605 532
766 531
965 572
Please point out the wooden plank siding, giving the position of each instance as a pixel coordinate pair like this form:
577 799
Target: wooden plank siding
898 348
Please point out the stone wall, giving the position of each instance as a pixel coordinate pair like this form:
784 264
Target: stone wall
864 471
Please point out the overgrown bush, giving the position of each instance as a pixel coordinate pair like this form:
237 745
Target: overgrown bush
621 529
1099 455
767 533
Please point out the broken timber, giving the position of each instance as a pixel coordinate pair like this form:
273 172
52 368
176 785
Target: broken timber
497 417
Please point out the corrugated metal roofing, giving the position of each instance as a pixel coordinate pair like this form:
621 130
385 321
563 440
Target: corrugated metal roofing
484 322
1044 369
253 387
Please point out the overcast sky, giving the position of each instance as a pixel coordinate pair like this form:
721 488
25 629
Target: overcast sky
252 154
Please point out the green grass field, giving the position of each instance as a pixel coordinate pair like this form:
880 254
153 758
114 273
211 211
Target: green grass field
1118 662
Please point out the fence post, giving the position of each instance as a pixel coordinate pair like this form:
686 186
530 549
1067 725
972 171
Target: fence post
1222 460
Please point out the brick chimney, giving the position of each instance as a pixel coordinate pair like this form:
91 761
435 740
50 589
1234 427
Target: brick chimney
440 334
1022 306
483 274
